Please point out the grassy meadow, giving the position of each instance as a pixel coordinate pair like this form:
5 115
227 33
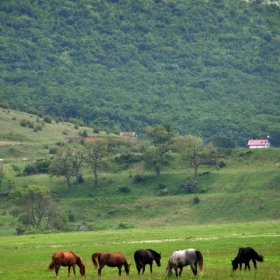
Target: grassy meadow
239 206
28 257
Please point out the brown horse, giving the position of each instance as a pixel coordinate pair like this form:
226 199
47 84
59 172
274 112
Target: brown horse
111 260
67 259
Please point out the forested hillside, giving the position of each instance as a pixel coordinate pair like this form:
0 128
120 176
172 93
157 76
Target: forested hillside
209 67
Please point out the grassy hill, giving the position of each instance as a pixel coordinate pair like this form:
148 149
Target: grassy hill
247 189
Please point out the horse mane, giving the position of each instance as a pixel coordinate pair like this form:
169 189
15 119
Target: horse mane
153 251
80 261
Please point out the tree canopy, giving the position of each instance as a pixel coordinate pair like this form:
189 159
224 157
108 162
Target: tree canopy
208 68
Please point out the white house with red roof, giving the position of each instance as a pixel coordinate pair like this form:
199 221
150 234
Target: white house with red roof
255 144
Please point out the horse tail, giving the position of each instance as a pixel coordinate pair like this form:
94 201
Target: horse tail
200 260
93 257
52 265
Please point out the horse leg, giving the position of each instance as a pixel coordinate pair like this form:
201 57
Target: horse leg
74 269
138 269
255 263
181 270
193 268
151 267
143 269
176 271
248 264
240 266
100 268
57 267
120 270
69 268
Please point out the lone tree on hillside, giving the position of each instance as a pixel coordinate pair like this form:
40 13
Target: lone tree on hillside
97 156
192 149
35 208
157 155
63 165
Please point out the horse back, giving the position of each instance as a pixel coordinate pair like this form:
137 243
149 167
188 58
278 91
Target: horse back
143 256
111 259
248 253
64 258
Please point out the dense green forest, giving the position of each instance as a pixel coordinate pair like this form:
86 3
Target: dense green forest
208 68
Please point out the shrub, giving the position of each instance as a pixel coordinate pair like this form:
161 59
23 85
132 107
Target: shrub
164 192
124 189
42 165
30 170
189 186
52 151
221 164
161 186
139 179
48 119
196 200
23 123
83 133
124 225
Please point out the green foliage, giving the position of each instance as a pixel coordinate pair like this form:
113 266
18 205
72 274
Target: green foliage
35 209
208 68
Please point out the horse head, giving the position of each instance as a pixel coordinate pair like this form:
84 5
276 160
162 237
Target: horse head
234 264
168 268
157 259
82 266
127 268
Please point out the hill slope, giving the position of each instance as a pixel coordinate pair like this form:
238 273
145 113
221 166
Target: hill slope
247 189
210 68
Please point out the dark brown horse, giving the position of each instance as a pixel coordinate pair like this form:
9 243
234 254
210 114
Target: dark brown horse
111 260
143 257
244 256
67 259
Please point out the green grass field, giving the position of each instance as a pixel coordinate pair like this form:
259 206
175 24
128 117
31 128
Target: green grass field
28 257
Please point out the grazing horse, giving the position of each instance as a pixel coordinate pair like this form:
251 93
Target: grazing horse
244 256
181 258
67 259
111 260
143 257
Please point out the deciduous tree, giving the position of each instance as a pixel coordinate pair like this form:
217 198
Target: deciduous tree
157 155
63 165
194 150
35 207
97 152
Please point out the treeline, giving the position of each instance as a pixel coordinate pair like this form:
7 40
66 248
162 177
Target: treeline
207 68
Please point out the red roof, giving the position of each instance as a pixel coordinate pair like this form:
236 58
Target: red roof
258 142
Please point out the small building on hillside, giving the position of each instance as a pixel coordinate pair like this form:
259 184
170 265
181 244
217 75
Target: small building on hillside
256 144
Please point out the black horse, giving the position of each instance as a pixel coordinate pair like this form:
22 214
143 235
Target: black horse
244 256
143 257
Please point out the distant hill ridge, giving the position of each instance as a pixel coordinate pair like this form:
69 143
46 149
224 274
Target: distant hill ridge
209 68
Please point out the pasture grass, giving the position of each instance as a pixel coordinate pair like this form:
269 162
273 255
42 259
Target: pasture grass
28 257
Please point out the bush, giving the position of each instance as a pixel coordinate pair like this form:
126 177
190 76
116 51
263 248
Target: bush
48 119
23 123
189 186
161 186
221 164
128 158
53 151
124 225
30 170
139 179
196 200
42 165
124 189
